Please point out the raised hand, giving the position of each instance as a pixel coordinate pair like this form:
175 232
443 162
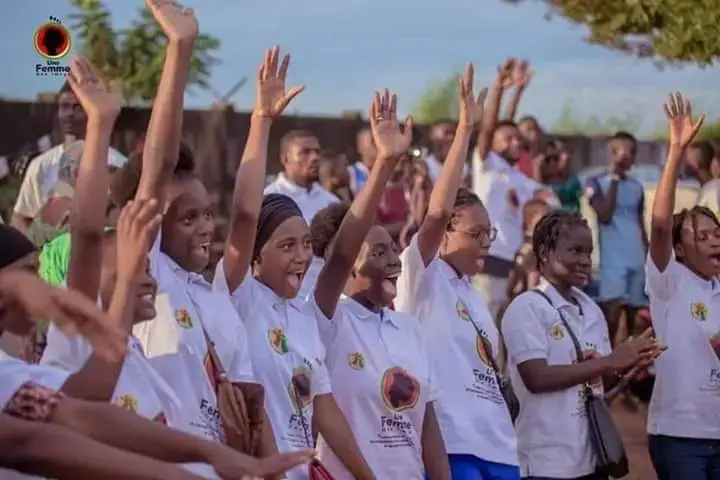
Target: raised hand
391 141
471 108
505 73
522 74
97 100
271 98
137 223
25 296
179 24
682 129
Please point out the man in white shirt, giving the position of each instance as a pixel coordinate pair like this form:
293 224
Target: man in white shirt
299 155
442 134
42 173
359 171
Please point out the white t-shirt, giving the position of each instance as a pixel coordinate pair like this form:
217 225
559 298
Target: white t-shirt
189 371
435 167
470 407
493 178
41 177
710 196
685 311
288 359
382 381
552 428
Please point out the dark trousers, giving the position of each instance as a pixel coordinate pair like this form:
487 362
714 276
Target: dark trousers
677 458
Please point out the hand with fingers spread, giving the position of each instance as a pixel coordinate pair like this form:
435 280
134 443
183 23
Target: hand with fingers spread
98 101
136 225
179 24
505 73
682 129
471 107
391 141
25 296
271 98
522 74
229 465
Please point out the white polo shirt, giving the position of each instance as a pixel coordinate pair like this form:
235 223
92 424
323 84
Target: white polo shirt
492 180
42 175
685 311
188 371
288 359
552 428
470 407
382 381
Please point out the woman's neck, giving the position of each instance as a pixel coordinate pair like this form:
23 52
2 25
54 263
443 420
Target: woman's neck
562 288
365 302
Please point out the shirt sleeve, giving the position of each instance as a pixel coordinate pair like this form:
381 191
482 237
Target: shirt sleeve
661 285
327 327
14 374
30 198
242 296
241 369
523 331
411 277
320 377
63 352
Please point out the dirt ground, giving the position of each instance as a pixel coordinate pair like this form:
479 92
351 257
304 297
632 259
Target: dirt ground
632 429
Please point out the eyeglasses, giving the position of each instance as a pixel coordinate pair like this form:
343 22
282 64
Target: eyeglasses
479 234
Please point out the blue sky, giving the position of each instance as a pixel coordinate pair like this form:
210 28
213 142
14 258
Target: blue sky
343 50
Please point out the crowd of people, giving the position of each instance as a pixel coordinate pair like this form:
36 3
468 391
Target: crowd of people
412 315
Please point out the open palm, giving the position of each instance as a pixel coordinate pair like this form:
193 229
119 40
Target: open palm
390 140
471 107
682 129
271 98
96 99
177 22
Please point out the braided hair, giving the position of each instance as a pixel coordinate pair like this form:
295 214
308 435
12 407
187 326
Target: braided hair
691 214
550 227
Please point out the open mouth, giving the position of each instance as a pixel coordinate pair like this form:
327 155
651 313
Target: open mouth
389 284
203 249
295 279
715 260
145 307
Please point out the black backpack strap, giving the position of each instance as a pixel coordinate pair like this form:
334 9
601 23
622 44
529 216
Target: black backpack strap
576 343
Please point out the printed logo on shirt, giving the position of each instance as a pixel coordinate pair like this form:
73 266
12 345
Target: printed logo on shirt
400 391
211 371
588 354
699 311
462 311
182 317
715 344
278 340
160 418
356 360
128 402
299 388
557 332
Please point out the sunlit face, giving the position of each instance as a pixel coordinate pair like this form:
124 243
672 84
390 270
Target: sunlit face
376 270
699 248
188 224
285 258
623 152
570 262
506 142
12 319
468 239
301 159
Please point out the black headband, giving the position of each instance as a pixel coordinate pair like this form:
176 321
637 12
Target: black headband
276 208
13 245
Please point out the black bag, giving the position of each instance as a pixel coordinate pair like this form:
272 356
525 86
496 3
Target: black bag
506 389
604 436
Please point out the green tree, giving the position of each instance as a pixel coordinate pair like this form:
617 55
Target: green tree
133 57
669 31
438 102
570 122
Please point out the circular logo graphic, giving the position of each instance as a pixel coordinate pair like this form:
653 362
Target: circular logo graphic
557 332
715 344
400 390
278 340
299 388
484 350
699 311
182 317
462 311
356 360
52 41
127 402
211 371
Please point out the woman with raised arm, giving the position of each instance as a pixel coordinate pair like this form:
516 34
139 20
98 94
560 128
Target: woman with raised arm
376 357
447 251
682 284
265 260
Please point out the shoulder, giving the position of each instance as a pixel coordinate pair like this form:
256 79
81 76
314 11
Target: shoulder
46 159
404 321
529 306
273 187
588 305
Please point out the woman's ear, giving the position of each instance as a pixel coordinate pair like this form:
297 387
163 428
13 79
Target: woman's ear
679 251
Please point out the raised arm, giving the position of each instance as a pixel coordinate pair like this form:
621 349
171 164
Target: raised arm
391 142
87 222
162 142
445 189
271 99
682 131
502 81
521 77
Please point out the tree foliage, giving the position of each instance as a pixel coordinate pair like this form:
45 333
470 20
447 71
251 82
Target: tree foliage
438 102
673 31
133 57
570 122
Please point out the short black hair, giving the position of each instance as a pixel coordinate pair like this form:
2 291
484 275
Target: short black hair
65 88
691 214
623 135
126 179
325 225
707 152
291 136
528 118
549 228
504 124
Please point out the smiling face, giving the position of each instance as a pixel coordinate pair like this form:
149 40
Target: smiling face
374 277
570 261
285 258
699 244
